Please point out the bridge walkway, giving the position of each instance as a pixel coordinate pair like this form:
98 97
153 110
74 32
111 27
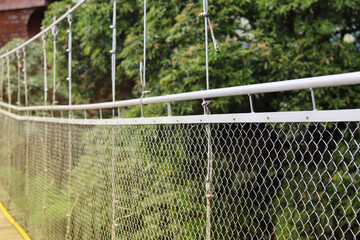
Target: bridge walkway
7 230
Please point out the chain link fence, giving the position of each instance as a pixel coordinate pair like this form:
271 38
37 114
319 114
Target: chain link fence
268 181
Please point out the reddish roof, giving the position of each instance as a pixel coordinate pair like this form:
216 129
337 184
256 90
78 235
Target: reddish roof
21 4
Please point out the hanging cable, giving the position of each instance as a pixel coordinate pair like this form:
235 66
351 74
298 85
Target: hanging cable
205 104
18 57
207 22
69 50
142 68
55 32
8 76
25 76
45 67
2 80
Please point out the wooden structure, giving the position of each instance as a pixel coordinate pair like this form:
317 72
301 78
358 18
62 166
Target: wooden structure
7 230
20 18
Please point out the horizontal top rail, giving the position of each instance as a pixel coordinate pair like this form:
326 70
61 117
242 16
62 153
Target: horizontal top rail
45 30
289 85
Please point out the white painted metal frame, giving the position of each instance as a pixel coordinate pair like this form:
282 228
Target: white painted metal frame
348 115
24 112
288 85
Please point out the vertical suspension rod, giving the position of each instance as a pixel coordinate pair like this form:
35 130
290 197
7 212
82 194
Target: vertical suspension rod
144 62
69 50
54 33
205 6
27 147
113 54
25 76
113 76
19 76
113 51
45 68
2 80
206 104
8 78
313 100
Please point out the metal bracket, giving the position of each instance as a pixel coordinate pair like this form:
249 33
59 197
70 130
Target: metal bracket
206 104
204 14
143 94
208 194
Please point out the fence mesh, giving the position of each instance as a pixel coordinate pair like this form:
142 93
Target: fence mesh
269 181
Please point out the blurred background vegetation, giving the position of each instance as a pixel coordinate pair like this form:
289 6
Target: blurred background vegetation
260 41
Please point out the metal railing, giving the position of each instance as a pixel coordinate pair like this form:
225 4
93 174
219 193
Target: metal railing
256 175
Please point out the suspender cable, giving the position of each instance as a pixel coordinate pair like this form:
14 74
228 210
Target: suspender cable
205 6
113 55
205 104
55 31
143 67
25 76
2 80
19 76
144 64
113 52
69 50
45 68
8 77
113 76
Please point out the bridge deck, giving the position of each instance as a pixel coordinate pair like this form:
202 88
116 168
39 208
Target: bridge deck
7 230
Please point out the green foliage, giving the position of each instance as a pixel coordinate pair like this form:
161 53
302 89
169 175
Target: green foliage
260 41
152 201
281 40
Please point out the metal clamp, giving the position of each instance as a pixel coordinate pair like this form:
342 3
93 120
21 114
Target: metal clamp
204 14
143 94
208 194
206 104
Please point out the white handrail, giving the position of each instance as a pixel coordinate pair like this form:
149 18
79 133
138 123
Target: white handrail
288 85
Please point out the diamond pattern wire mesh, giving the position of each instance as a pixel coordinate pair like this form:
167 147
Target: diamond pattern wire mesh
270 181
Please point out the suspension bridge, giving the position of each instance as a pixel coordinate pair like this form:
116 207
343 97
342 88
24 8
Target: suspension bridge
73 172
